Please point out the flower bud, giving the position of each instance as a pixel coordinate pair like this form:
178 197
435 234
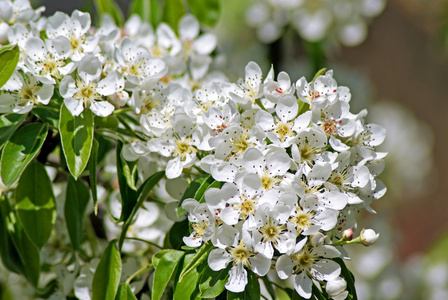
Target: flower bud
317 239
347 235
369 237
336 286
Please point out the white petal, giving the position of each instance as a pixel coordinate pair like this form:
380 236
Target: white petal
260 264
174 168
253 75
101 108
254 161
188 28
284 266
89 68
287 108
45 93
35 49
237 279
218 259
205 44
327 269
75 107
303 285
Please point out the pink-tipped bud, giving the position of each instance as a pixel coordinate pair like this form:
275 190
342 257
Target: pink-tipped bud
347 235
369 237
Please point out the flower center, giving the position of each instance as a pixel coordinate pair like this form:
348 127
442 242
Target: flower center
183 148
241 254
271 231
283 130
86 92
304 260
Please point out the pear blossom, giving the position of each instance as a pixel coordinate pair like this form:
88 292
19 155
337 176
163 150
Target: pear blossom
87 92
304 261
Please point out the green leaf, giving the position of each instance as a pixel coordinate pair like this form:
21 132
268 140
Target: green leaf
107 275
47 115
293 295
199 257
173 238
196 190
321 72
156 257
165 269
269 287
124 292
8 124
93 164
110 122
142 193
127 192
187 287
206 11
111 8
76 200
148 10
251 292
77 138
349 278
173 10
212 283
36 205
28 253
21 148
9 57
8 252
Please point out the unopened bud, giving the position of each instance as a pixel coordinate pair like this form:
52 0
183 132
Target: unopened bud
369 237
336 286
317 239
347 235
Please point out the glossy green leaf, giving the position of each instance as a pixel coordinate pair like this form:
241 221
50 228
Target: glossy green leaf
187 288
251 292
76 200
8 252
107 275
293 295
93 164
196 190
36 205
47 115
269 287
110 122
173 10
206 11
21 148
349 278
173 238
156 257
77 138
142 193
28 253
199 257
8 124
148 10
128 192
125 293
9 57
212 283
165 269
111 8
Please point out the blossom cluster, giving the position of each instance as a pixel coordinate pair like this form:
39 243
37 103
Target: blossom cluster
100 69
314 20
295 164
